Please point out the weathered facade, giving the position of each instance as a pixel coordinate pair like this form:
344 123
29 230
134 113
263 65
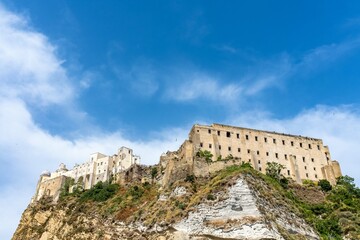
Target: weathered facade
98 168
302 157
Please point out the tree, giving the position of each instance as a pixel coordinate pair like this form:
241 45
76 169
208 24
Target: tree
205 154
325 185
273 170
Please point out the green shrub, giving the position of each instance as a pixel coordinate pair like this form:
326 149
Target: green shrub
325 185
205 154
190 178
100 192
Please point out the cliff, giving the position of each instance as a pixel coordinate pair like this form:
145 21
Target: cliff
234 203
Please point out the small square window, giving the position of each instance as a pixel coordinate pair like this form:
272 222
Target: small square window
292 143
265 139
307 175
201 144
305 168
303 158
315 175
285 156
256 138
312 160
276 155
209 131
309 146
219 147
248 151
267 153
258 152
318 146
288 172
249 160
210 146
314 168
237 135
283 142
300 144
229 148
218 133
259 168
247 137
228 134
239 149
259 161
274 140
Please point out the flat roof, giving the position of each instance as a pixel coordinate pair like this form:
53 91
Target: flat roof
257 130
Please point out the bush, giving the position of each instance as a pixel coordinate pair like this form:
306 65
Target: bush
100 192
210 197
190 178
325 185
205 154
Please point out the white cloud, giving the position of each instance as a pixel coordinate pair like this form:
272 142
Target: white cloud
28 61
339 127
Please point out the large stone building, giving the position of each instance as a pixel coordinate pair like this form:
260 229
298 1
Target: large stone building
302 157
98 168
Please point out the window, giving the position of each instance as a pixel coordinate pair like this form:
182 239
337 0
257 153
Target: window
228 134
274 140
229 148
238 149
248 151
197 130
305 168
314 168
209 131
307 175
258 152
283 142
210 146
218 132
315 175
130 151
259 168
265 139
247 137
285 156
318 146
309 146
292 143
303 159
300 144
219 147
259 161
201 144
312 160
276 155
249 160
237 135
288 171
267 153
256 138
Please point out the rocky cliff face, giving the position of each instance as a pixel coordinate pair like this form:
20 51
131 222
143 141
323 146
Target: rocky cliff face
228 205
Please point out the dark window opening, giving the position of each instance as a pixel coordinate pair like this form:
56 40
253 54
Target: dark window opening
249 160
305 168
274 140
312 160
259 161
303 159
288 171
267 153
238 149
256 138
309 146
209 131
229 148
285 156
300 144
307 175
315 168
315 175
292 143
259 168
210 146
283 142
258 152
248 151
219 147
247 137
218 132
237 135
276 155
265 139
318 146
201 144
228 134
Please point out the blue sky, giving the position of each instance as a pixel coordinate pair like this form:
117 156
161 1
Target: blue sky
78 77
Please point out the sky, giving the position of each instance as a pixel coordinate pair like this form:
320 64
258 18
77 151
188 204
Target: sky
77 77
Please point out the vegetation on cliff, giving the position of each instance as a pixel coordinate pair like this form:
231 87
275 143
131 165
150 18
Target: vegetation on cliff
333 211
